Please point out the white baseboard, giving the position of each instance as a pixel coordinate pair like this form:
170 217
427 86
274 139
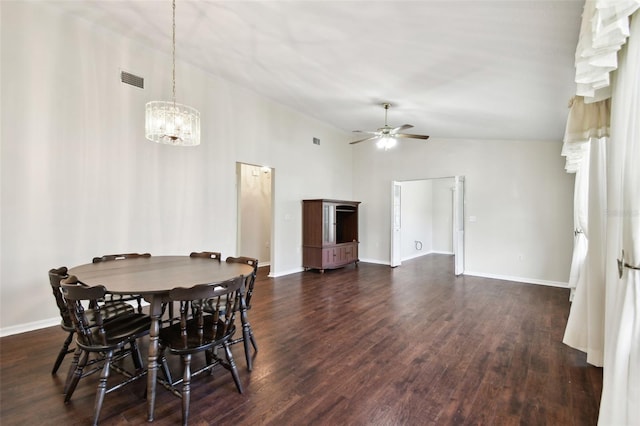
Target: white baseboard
518 279
36 325
283 273
415 256
30 326
376 261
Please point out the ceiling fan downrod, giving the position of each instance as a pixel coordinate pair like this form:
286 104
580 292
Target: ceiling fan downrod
386 109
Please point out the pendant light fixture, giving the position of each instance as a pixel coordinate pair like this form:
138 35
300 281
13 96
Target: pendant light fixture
169 122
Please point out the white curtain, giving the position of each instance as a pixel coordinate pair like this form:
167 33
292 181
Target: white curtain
620 404
585 141
604 29
604 320
585 326
587 124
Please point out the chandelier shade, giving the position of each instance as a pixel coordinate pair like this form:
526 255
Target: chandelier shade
171 123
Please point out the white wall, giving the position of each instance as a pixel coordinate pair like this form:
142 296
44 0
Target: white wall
442 215
427 215
416 218
517 190
79 179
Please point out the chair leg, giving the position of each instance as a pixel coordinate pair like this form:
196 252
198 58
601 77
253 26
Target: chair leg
247 335
247 351
165 367
232 367
102 387
135 354
63 352
72 369
253 340
186 388
75 372
210 358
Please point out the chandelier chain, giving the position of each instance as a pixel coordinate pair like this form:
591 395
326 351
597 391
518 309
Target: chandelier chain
174 53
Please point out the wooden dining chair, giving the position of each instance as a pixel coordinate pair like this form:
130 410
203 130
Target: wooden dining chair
247 292
122 256
110 339
56 275
247 331
215 255
199 331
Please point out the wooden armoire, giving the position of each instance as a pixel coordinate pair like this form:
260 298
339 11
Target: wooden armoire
329 233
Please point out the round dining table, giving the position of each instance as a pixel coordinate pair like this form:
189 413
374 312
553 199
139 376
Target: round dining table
152 278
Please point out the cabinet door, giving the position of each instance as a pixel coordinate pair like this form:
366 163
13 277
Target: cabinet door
349 254
328 223
328 257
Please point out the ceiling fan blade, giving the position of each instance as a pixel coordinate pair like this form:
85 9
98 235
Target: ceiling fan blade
364 131
363 140
398 129
407 135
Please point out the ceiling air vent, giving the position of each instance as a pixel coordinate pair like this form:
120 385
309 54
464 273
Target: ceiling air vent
131 79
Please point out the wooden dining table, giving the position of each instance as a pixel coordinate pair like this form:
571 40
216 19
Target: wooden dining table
153 278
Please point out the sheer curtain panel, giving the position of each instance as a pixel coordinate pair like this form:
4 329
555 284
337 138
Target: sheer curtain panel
604 319
585 326
621 373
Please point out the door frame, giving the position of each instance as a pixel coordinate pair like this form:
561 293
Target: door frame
396 224
458 223
239 211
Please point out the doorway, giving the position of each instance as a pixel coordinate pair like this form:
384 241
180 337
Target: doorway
255 212
427 216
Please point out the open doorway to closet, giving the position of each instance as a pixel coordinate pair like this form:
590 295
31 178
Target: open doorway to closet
255 211
428 217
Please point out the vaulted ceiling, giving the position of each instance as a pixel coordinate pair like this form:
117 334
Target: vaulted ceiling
477 69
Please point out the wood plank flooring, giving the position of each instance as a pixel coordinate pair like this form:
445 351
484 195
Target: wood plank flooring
369 345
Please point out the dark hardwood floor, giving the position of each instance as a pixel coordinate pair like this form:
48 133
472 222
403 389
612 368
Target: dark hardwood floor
355 346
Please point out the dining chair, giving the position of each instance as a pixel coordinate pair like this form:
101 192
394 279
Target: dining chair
122 256
247 331
111 340
215 255
56 275
247 292
200 331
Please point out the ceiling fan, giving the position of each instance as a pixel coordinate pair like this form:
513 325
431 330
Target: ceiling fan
388 135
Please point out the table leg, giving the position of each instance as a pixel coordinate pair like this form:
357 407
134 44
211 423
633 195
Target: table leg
155 312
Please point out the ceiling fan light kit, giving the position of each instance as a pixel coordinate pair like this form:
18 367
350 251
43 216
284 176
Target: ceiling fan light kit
386 143
387 135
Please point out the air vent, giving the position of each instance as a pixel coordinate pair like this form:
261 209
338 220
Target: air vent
131 79
316 141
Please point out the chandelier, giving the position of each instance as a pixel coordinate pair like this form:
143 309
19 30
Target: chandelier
169 122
